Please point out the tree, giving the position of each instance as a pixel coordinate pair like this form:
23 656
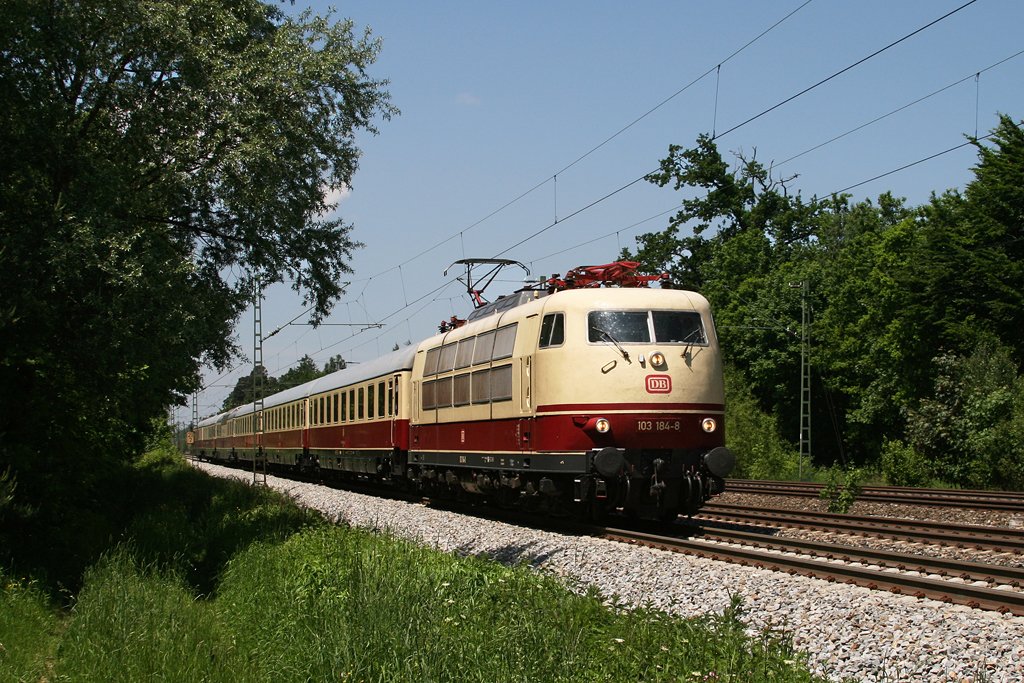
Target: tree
335 363
969 429
899 296
160 157
750 240
305 370
243 391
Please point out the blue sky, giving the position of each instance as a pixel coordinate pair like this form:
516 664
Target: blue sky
498 98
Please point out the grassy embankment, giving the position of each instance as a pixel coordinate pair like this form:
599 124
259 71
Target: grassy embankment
219 581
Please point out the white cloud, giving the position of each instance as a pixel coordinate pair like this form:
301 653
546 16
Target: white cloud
338 194
467 99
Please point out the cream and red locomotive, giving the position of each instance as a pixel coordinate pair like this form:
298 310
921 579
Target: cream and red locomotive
570 394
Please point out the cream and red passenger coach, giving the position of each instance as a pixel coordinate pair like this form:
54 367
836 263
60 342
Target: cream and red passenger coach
609 397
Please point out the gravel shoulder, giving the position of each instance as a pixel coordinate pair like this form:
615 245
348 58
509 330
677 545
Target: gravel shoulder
847 632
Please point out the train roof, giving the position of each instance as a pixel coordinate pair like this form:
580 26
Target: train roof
353 374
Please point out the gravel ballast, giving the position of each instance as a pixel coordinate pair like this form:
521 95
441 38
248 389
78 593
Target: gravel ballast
847 631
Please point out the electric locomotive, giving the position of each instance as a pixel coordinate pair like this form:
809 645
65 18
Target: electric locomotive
592 392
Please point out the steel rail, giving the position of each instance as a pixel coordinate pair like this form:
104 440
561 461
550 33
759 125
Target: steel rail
994 599
926 564
1010 501
996 538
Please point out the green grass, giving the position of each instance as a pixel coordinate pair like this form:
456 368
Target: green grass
219 581
29 630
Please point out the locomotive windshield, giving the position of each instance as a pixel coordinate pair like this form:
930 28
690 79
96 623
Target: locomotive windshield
644 327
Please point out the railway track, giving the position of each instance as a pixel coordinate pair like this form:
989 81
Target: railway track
1001 539
883 570
1012 501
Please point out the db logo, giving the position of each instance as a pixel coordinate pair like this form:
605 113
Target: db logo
659 384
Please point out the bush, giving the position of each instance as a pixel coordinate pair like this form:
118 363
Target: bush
842 486
969 429
754 436
903 466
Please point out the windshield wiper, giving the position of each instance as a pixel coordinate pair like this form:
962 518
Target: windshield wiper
608 335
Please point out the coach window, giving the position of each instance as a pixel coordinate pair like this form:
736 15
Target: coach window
430 364
322 402
552 330
464 355
484 344
391 397
351 405
481 384
360 412
504 342
337 399
344 404
461 389
380 399
330 408
501 383
369 402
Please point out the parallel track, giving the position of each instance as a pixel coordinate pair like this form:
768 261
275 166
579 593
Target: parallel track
1011 501
1002 600
961 535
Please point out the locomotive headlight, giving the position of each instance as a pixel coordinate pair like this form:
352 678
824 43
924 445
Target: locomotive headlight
658 359
603 426
708 424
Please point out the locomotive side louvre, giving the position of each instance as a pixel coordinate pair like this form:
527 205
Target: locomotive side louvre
471 392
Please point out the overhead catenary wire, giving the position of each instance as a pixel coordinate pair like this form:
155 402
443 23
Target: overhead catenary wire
604 142
847 68
716 68
902 108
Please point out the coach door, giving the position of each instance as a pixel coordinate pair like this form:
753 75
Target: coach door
396 440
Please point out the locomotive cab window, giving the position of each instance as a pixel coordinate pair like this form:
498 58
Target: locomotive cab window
552 330
678 327
644 327
622 326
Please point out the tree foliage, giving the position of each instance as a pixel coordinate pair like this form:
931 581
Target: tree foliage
902 299
159 158
304 371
